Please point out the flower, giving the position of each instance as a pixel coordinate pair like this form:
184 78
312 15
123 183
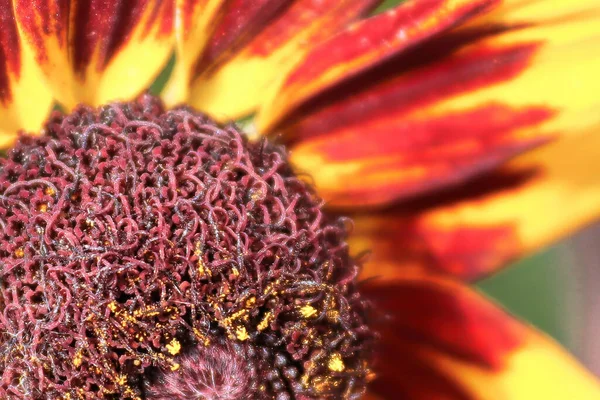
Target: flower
453 133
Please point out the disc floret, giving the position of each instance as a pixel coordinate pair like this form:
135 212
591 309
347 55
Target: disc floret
138 244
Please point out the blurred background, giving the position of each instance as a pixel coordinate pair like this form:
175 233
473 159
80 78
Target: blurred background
556 290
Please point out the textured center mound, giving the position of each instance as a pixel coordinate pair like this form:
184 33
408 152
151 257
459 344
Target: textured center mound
152 254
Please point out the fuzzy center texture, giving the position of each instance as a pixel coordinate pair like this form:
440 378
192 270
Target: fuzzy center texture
153 254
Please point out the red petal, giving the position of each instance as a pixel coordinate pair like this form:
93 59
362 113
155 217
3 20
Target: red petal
241 20
475 229
394 159
380 134
443 314
24 99
454 107
363 45
442 340
235 88
95 51
10 54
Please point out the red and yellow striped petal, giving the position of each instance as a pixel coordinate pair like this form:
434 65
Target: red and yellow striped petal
24 100
442 340
195 22
96 51
234 89
454 107
540 368
209 29
563 73
363 45
470 231
394 158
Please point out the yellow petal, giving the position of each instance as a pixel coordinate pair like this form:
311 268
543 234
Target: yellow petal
234 89
539 198
538 369
195 21
95 52
562 75
24 99
473 230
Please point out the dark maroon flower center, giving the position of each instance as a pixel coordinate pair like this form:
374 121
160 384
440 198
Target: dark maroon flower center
153 254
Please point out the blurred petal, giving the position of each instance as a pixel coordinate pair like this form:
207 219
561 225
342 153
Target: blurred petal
470 231
455 107
195 22
209 29
95 51
539 369
443 313
363 45
397 158
568 58
235 88
442 340
24 100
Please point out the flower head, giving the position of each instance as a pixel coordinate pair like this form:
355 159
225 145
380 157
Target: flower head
149 239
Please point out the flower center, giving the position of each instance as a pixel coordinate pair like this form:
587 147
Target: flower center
152 254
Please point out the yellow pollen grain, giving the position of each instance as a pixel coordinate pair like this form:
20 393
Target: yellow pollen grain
265 321
257 195
251 301
175 367
202 270
77 359
336 363
241 333
112 306
19 253
137 363
197 249
200 336
308 311
43 207
333 315
174 347
371 376
49 191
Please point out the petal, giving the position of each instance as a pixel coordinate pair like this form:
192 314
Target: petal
235 88
538 369
363 45
470 231
209 29
453 108
442 313
194 25
95 51
24 100
441 339
396 158
241 20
